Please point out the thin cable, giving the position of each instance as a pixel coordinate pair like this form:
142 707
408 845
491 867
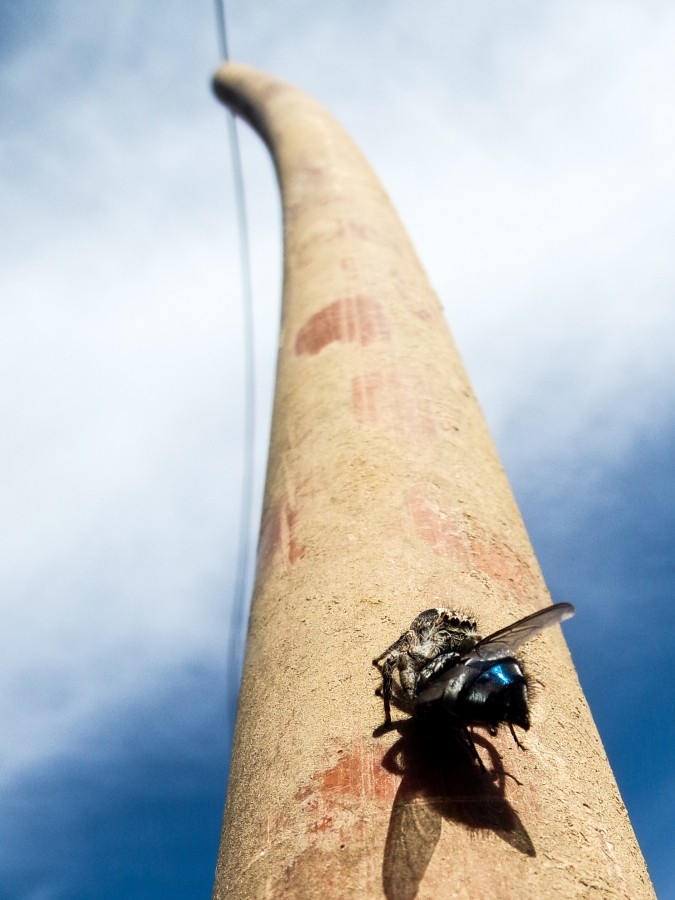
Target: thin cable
240 598
221 27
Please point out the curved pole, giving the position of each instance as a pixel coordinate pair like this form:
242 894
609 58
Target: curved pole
384 497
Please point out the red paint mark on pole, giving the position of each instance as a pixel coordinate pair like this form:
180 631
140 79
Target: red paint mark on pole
389 398
278 534
451 535
358 773
358 319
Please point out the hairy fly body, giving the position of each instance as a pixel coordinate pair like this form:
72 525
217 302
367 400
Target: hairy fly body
444 663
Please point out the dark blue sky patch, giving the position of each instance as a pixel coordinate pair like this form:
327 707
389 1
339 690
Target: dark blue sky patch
22 23
607 544
135 812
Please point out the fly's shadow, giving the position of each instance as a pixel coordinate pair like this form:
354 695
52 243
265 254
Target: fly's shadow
440 781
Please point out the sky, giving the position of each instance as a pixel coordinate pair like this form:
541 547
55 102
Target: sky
528 148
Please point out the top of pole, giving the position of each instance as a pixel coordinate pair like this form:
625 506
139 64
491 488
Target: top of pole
385 497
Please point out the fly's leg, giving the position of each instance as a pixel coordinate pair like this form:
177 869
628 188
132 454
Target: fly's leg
515 738
467 740
471 744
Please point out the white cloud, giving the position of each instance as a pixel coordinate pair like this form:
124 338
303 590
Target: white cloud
549 144
121 401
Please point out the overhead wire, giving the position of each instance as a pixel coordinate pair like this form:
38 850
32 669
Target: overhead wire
240 598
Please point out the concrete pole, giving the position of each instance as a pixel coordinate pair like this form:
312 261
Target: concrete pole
384 497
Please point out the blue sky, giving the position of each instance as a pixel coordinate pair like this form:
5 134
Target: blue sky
528 148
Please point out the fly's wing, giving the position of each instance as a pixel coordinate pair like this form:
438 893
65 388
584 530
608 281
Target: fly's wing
507 640
458 674
502 643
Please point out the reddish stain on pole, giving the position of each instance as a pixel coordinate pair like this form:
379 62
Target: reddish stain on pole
358 773
334 801
335 808
358 319
278 534
438 528
388 398
451 535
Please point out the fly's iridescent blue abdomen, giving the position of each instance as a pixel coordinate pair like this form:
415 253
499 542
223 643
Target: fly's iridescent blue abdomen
497 694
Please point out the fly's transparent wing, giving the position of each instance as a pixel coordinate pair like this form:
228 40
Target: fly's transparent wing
507 640
458 674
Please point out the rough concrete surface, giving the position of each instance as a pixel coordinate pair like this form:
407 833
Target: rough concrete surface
384 497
